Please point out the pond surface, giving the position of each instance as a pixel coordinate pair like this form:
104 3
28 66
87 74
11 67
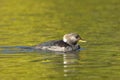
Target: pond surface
27 23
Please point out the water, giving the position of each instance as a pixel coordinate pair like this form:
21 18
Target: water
29 23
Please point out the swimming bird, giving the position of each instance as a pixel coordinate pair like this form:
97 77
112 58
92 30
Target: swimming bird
68 43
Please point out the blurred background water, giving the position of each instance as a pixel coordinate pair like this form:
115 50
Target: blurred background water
27 23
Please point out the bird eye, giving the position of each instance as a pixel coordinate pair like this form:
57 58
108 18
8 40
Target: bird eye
77 36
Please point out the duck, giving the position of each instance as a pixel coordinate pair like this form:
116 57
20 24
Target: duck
67 44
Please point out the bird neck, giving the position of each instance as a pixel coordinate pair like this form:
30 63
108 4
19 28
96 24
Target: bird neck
71 43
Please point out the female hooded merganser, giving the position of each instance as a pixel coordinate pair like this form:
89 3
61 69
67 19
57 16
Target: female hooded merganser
69 43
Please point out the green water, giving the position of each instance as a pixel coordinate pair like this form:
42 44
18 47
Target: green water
30 22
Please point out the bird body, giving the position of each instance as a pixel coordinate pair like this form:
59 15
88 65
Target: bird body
69 43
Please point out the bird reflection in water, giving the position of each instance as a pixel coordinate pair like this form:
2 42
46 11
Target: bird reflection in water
71 62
